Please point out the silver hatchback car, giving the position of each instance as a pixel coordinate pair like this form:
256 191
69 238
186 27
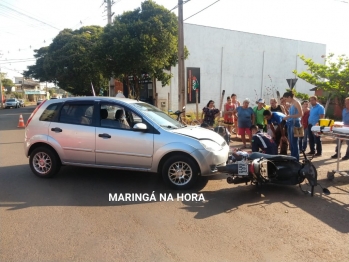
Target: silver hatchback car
123 134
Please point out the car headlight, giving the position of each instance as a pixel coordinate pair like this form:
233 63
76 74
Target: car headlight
210 145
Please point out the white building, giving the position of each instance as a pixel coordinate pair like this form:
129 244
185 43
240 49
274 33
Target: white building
249 65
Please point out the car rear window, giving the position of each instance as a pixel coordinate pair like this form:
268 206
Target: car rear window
10 100
50 112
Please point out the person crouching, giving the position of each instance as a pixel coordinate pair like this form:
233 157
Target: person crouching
262 141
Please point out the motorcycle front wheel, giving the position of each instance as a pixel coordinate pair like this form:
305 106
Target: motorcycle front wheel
311 180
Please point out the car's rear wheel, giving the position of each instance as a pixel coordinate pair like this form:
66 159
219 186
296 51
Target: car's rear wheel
180 172
44 162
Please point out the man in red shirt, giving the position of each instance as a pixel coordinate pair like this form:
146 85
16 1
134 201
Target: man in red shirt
304 121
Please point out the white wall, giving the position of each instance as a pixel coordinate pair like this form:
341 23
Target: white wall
242 64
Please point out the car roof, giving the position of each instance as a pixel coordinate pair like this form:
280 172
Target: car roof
100 98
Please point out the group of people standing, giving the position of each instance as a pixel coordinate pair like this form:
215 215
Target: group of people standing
272 126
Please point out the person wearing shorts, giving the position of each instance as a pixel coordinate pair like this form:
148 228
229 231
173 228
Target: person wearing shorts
228 114
245 116
235 103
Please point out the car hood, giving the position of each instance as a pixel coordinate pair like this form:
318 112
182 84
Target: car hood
200 133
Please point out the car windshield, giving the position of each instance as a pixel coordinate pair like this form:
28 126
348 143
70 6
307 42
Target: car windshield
158 116
10 100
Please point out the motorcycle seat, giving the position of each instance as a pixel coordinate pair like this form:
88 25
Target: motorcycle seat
256 155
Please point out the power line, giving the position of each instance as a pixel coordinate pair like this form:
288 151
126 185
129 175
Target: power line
3 60
174 8
201 10
23 61
29 17
184 2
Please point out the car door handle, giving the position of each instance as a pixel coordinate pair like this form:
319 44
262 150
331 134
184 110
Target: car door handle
104 135
56 129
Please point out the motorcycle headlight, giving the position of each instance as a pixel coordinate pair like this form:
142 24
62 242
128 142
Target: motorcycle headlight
210 145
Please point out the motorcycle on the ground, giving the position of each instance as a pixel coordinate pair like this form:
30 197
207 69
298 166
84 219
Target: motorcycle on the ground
259 169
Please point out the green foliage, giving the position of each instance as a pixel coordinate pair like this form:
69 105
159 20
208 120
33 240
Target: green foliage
301 96
17 95
71 61
7 82
332 77
141 44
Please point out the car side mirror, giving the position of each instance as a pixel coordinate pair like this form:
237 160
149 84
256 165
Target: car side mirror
140 126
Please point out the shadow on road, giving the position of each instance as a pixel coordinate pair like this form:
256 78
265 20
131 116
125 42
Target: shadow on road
78 186
75 186
325 208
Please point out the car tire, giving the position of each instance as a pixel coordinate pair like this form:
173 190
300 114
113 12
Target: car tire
44 162
180 172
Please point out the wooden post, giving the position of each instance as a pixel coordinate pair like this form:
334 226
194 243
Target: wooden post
221 104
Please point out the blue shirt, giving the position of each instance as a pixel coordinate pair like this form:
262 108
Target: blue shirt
345 116
244 116
276 118
315 113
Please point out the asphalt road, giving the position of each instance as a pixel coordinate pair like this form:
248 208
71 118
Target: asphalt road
70 217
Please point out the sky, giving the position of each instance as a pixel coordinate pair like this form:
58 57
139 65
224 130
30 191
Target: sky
27 25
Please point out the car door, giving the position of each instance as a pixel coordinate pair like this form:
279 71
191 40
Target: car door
118 143
74 131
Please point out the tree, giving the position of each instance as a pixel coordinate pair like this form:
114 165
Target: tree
38 71
71 61
141 44
5 81
301 96
17 95
331 77
51 92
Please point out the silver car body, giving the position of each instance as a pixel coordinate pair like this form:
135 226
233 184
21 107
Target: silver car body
136 150
12 102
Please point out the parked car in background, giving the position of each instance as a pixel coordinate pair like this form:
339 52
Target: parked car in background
123 134
21 103
12 102
39 101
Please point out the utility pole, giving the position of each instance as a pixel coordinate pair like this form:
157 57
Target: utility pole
181 72
110 15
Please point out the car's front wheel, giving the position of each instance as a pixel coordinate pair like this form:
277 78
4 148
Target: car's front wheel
180 172
44 162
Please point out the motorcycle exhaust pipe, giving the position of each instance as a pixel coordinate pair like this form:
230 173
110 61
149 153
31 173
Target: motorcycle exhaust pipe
238 180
